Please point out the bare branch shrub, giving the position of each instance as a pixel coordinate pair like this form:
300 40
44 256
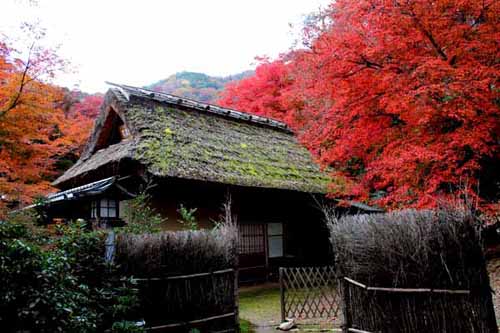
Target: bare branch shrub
183 254
173 253
439 249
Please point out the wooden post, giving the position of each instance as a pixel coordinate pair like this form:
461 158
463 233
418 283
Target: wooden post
236 302
282 294
345 306
266 249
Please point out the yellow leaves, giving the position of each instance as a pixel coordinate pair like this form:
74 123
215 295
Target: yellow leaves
243 145
168 132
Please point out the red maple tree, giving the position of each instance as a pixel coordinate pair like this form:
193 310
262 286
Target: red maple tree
401 98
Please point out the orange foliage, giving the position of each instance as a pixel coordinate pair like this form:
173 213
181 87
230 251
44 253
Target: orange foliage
36 134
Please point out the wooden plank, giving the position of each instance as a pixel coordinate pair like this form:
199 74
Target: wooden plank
345 306
408 290
420 290
190 276
359 284
192 322
355 330
236 302
282 294
251 267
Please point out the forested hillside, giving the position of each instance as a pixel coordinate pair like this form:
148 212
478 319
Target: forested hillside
198 86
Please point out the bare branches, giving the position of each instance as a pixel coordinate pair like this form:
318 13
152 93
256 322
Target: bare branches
416 250
15 100
183 252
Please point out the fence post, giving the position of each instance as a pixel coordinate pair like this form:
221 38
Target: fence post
345 306
236 301
282 294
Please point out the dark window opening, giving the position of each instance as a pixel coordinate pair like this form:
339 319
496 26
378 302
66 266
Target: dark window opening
113 131
104 208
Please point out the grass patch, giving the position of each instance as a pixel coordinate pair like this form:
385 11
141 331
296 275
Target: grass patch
260 305
246 326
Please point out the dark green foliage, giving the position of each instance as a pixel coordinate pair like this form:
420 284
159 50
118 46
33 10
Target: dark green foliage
126 327
38 291
188 218
84 251
64 287
11 230
25 224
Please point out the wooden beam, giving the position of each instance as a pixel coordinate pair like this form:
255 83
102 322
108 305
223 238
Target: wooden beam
180 277
192 322
408 290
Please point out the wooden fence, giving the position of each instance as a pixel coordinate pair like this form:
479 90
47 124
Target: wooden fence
375 309
309 293
204 301
318 293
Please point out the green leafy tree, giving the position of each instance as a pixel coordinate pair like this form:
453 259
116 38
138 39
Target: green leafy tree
188 218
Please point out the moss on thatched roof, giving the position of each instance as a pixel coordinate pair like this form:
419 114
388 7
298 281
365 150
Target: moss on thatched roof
179 138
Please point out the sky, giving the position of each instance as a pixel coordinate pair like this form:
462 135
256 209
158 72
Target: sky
141 42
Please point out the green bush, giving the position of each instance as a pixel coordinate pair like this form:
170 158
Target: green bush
126 327
38 292
67 288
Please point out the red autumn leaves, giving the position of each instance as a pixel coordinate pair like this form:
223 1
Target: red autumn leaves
400 98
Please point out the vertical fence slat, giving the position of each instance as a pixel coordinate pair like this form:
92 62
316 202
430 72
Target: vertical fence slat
282 294
173 303
346 308
236 302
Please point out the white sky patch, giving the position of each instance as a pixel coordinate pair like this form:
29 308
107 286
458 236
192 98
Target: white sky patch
140 42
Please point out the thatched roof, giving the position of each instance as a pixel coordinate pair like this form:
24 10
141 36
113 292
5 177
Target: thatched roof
181 138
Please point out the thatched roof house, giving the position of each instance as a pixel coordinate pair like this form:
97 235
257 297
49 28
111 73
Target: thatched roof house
176 137
195 154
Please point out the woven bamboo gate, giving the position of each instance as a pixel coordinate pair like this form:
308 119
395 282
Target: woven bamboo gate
310 293
207 302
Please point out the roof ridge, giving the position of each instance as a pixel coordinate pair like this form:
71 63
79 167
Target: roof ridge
127 91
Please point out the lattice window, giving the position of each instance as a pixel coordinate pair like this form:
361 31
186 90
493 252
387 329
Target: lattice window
251 238
104 208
